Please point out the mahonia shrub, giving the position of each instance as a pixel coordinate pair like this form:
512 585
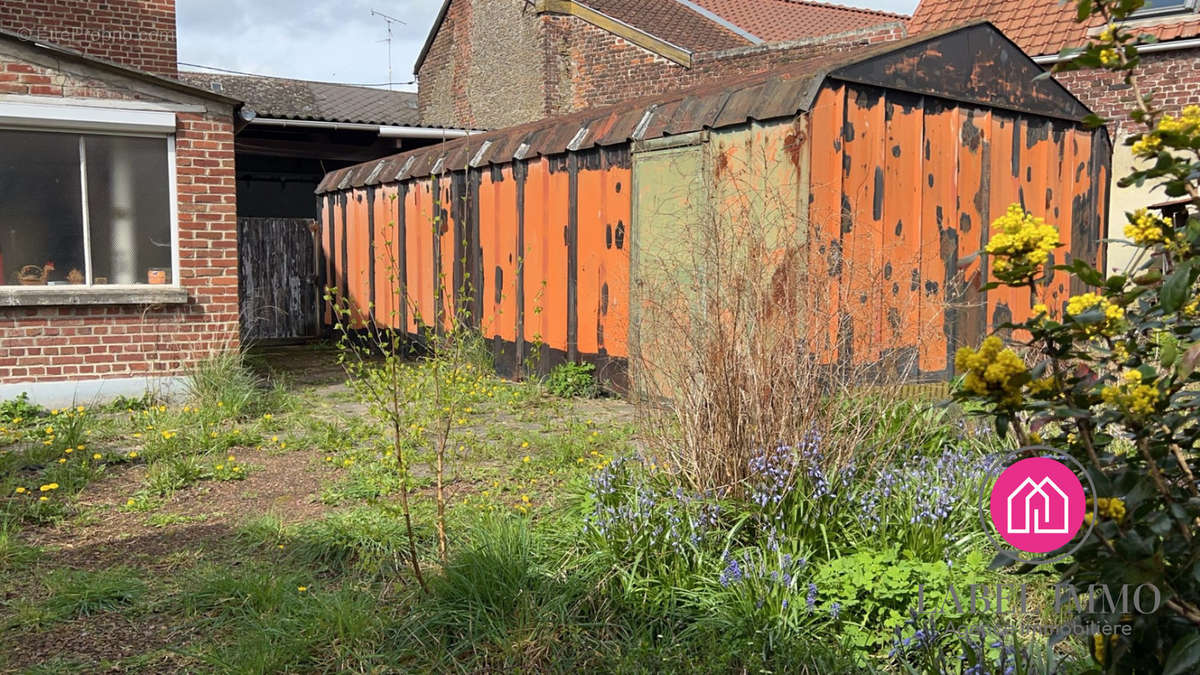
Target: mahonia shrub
1110 377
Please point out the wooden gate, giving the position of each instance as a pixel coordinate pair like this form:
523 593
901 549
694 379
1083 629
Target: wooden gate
277 279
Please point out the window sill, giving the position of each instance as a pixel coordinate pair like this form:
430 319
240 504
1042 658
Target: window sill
58 296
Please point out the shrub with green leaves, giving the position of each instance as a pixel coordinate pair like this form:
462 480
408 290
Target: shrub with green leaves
573 380
1111 378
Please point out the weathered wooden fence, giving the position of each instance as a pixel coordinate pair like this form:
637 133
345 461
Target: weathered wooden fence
277 276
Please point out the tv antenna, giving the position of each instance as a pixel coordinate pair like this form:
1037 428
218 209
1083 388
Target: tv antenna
390 20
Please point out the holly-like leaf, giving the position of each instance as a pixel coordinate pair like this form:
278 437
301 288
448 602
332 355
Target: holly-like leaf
1175 290
1185 657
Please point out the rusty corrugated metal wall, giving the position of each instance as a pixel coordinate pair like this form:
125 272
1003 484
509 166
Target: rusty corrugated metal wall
535 252
887 190
905 188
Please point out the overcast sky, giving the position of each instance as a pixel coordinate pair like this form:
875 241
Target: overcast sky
330 40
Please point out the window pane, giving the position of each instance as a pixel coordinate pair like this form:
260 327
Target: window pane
41 219
1165 4
129 209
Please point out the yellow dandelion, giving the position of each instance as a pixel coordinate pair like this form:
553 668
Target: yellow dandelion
43 499
526 459
96 455
21 490
302 589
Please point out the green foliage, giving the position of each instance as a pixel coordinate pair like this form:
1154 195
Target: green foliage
1113 380
877 590
573 380
369 540
20 410
79 593
222 383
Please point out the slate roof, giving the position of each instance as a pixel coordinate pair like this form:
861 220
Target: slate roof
783 20
1041 27
282 98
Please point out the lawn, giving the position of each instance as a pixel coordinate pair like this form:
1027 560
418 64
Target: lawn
256 526
252 529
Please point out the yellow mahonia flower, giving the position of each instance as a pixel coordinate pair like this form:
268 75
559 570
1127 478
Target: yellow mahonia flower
1109 33
1023 244
993 371
1144 228
1131 395
1114 315
1148 145
1109 57
1112 508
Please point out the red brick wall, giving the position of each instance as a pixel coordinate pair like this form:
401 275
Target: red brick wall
604 69
1171 77
120 341
136 33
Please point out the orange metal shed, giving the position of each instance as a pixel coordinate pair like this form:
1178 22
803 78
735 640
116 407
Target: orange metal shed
898 157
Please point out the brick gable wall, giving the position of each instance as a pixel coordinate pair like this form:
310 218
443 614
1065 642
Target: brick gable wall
498 64
136 33
44 344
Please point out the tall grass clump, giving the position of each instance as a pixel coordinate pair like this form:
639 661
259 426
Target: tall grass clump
744 331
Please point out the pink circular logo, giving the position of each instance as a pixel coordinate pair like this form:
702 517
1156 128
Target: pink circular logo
1037 505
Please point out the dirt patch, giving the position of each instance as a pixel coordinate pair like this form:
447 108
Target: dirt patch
99 638
201 515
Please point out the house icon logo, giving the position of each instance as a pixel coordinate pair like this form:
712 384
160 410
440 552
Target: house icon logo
1037 505
1037 508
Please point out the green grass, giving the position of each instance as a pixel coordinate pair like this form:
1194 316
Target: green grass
80 593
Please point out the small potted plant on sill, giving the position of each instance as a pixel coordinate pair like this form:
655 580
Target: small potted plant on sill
32 275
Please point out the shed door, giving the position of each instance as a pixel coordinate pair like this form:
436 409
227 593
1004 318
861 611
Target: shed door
670 200
277 278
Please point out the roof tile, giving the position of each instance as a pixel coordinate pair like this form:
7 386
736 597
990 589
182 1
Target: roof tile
1040 27
781 20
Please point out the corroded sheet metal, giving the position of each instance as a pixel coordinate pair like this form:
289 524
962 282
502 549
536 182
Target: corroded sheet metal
528 231
904 190
974 64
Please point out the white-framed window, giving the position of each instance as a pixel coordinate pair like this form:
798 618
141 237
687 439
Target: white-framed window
87 196
1160 7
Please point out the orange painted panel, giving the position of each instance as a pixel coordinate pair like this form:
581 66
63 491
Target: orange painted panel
418 212
972 210
358 252
619 211
939 190
445 291
1007 141
546 197
498 241
863 175
825 218
901 235
603 280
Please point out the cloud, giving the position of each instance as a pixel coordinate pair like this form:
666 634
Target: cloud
332 40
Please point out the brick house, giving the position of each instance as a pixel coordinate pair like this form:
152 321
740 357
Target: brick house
118 233
488 64
1170 71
